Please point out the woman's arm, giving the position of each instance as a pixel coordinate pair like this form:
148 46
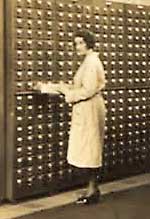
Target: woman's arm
52 87
92 82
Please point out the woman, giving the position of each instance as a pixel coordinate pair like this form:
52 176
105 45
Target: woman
88 115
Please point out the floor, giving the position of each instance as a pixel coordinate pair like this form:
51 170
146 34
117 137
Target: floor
132 203
9 211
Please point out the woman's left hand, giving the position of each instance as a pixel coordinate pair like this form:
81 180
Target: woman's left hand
63 88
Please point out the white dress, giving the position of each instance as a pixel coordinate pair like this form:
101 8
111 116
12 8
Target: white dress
88 116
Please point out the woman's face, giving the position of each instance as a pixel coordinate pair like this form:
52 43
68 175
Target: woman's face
80 46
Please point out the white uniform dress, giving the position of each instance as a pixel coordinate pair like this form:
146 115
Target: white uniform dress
88 116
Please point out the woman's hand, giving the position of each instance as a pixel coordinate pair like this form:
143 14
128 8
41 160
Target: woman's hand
37 85
63 88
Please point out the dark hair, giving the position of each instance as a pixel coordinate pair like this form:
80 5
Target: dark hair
88 38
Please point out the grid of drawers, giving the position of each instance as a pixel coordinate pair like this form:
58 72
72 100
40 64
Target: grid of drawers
42 38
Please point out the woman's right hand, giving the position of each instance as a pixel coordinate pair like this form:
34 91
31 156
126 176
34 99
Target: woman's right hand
51 87
37 85
63 88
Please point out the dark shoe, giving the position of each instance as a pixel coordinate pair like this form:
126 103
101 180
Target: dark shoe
92 199
82 200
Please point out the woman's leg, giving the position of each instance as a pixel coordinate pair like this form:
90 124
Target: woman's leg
92 195
93 181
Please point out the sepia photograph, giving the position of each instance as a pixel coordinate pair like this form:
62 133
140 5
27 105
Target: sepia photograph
75 109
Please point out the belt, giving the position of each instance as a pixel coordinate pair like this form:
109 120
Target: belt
89 98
